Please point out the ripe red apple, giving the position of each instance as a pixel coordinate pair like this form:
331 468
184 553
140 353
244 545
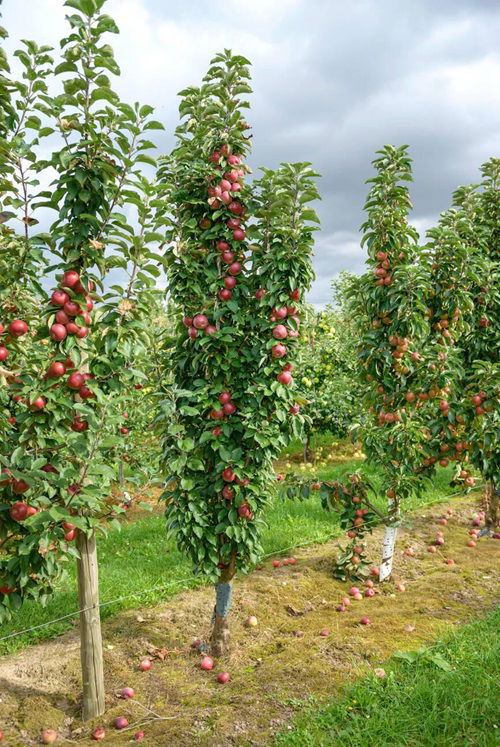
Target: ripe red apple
19 511
211 330
223 246
285 377
244 511
295 295
279 477
187 321
230 283
200 321
49 736
278 351
280 332
59 298
471 543
443 522
193 332
324 633
38 404
276 563
99 733
70 279
294 409
369 592
235 268
216 432
79 425
353 590
75 380
229 408
224 397
251 622
207 663
4 354
223 677
374 571
439 541
228 493
259 294
358 597
120 723
238 234
225 295
346 602
291 561
145 665
18 328
368 583
340 608
365 621
401 587
228 474
432 548
56 369
227 257
449 561
127 693
139 735
216 414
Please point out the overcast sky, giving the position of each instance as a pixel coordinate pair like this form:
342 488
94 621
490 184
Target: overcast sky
333 81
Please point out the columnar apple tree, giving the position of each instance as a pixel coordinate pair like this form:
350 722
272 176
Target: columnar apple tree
239 289
389 300
70 361
463 264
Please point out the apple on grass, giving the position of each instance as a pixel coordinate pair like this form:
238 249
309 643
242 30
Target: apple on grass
207 663
251 622
127 693
145 665
49 736
223 677
120 723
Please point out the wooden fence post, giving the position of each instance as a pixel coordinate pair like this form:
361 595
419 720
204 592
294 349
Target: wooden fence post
90 627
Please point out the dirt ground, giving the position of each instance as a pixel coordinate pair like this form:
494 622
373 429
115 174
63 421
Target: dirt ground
272 669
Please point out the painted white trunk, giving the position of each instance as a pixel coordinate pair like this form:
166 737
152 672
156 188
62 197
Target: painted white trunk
385 569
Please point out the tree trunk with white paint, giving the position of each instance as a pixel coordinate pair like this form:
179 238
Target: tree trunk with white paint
385 569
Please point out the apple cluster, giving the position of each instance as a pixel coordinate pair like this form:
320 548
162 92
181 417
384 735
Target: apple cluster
72 301
282 332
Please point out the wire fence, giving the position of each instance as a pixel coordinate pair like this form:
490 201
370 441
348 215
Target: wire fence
185 580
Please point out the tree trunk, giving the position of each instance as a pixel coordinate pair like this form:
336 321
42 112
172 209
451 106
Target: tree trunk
385 569
90 627
391 533
220 639
491 505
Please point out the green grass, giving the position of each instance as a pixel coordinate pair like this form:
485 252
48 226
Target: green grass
139 557
417 704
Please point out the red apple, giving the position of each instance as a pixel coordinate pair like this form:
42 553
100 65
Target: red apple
216 414
278 351
127 693
369 592
230 283
56 369
187 321
200 321
4 354
227 257
365 621
238 234
58 332
401 587
145 665
59 298
19 511
225 294
432 548
324 633
280 332
471 543
294 295
223 677
259 294
211 330
207 663
229 408
228 492
353 590
49 736
75 380
276 563
223 246
244 511
294 409
285 378
193 332
70 279
18 328
228 474
235 268
139 735
120 723
99 733
251 621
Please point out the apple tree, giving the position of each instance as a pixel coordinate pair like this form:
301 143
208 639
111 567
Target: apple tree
74 354
239 289
389 304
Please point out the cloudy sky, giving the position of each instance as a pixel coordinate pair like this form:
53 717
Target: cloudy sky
333 81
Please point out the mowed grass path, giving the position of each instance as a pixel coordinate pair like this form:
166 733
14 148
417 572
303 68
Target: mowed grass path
139 558
418 703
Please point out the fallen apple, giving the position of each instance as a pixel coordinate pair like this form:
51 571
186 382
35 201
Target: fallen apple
251 621
99 733
207 663
127 693
324 633
365 621
145 665
49 736
223 677
120 723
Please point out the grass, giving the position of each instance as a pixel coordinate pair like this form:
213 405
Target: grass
139 557
418 703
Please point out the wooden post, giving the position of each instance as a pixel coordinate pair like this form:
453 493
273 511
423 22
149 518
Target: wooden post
90 627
